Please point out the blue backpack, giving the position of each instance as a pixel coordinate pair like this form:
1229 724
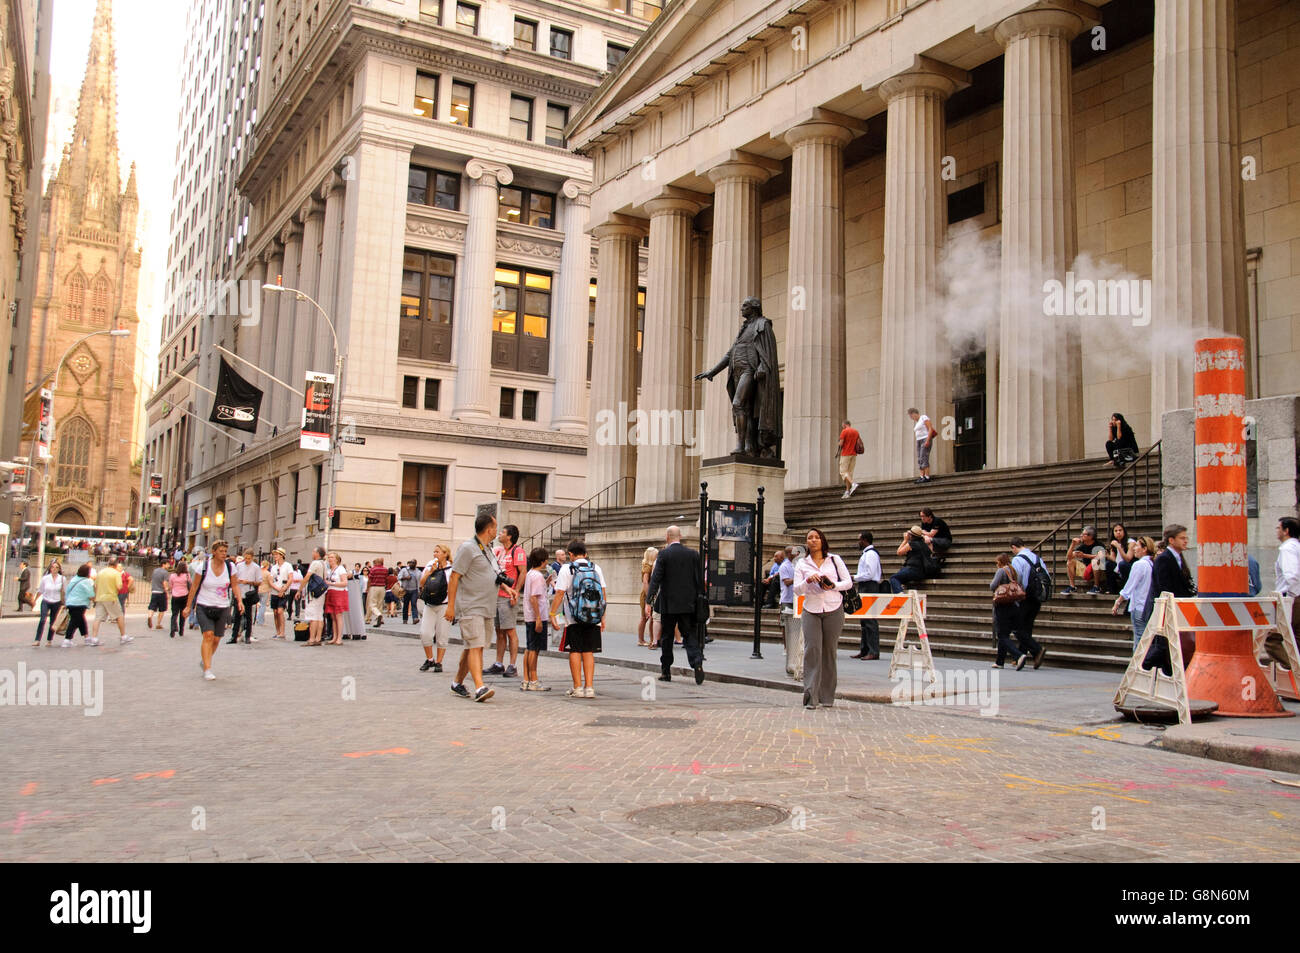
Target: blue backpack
585 601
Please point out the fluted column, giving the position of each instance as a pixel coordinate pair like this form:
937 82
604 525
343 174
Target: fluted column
915 361
569 324
308 325
1040 382
290 338
472 398
666 349
736 273
610 457
814 359
332 194
1198 257
273 303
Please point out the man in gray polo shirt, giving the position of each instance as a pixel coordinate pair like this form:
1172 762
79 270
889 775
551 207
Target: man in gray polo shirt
472 596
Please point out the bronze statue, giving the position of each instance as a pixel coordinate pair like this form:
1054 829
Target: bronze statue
753 383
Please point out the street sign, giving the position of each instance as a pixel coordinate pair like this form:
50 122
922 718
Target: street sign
352 438
317 412
45 429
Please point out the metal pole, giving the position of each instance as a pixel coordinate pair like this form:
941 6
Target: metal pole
758 575
704 549
335 446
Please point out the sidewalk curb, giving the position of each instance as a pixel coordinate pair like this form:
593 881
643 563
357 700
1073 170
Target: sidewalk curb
1267 757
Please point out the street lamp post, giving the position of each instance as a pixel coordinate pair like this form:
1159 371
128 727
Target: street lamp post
45 483
335 403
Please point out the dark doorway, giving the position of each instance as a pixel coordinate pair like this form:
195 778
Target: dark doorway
969 451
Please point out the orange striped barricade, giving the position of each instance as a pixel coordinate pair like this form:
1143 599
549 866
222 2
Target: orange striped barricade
1259 614
909 609
1282 680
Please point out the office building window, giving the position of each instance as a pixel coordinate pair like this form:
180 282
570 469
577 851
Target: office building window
507 407
467 18
526 487
521 118
426 95
425 318
614 55
526 207
561 43
431 187
521 321
525 33
462 103
431 11
410 391
528 410
557 117
424 489
432 387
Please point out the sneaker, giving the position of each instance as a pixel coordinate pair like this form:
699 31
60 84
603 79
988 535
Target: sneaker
483 694
525 686
428 664
588 692
125 639
853 487
66 644
1038 659
92 641
1020 662
539 687
844 495
458 689
208 676
574 693
1094 591
437 667
1069 591
494 669
511 672
251 638
919 480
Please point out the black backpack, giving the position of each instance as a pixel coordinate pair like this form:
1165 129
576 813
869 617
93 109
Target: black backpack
1040 583
434 592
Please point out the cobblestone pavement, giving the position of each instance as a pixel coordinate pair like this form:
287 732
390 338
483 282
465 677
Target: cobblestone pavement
276 760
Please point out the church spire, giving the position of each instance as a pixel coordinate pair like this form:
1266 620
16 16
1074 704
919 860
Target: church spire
92 174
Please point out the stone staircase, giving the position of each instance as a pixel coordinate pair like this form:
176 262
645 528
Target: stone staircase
984 509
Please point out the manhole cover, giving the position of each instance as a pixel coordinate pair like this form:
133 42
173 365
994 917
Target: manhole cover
710 816
639 721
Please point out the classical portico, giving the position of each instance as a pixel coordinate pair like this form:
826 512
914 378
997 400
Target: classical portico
833 188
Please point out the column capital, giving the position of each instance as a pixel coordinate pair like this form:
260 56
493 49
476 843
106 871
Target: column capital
1066 18
311 206
577 191
671 200
333 183
917 75
481 168
620 226
274 249
734 164
290 231
818 123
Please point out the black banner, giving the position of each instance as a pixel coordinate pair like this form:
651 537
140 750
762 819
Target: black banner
237 402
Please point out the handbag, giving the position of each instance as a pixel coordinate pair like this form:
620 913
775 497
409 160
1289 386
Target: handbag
1009 592
852 601
61 621
316 586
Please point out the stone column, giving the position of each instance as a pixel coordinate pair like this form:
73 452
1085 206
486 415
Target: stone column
273 303
1039 359
569 324
666 368
915 361
613 373
309 326
1198 255
814 357
332 194
290 338
473 399
736 274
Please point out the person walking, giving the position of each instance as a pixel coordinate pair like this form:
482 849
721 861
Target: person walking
675 584
820 578
514 563
50 591
913 549
316 580
791 628
1286 580
108 584
849 448
1024 560
279 578
158 594
646 619
124 589
581 587
81 590
869 578
336 599
472 588
535 603
249 574
434 625
409 577
377 584
1137 586
178 584
213 591
24 586
263 592
924 433
1170 573
1006 617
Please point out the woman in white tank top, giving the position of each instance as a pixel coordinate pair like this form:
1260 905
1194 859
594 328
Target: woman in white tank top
212 596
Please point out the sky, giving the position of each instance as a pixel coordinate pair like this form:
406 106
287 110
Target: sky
150 38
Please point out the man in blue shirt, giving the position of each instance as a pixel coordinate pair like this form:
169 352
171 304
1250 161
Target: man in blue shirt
789 624
1025 559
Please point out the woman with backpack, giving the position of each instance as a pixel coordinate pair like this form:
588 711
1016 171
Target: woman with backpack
433 593
821 577
315 585
581 589
1006 615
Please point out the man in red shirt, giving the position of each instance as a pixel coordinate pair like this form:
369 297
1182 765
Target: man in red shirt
375 594
513 561
850 447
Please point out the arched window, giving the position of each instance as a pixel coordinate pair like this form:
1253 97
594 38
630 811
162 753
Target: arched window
100 293
76 297
74 440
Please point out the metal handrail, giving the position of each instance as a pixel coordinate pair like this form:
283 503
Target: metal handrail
1126 479
608 498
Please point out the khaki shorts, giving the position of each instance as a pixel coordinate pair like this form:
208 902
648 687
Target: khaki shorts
110 611
434 626
474 631
846 466
507 614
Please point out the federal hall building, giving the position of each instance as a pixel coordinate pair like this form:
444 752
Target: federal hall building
898 182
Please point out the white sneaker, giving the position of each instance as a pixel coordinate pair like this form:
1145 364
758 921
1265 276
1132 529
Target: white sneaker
588 692
92 641
844 495
66 644
852 488
207 674
252 638
126 638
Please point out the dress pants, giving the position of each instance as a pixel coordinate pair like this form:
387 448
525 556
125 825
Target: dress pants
870 627
684 623
793 630
821 637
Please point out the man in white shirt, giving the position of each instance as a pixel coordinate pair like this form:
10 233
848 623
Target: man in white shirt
1286 573
925 434
278 578
249 574
868 577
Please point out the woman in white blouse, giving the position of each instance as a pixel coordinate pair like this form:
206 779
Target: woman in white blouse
51 596
820 577
1138 586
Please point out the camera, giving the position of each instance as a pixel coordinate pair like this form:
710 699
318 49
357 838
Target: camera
503 579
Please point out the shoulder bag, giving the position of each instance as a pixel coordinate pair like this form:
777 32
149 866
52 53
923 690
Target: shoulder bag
1010 592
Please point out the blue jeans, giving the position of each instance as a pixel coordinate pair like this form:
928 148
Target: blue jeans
1139 623
50 609
898 581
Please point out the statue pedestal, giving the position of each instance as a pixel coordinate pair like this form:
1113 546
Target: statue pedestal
737 478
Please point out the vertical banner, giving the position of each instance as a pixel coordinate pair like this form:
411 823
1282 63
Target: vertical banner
1220 400
730 554
18 485
45 428
317 411
155 488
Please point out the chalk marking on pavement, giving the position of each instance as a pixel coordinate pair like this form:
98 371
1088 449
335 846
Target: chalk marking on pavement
800 731
916 758
169 773
367 754
29 788
99 781
957 744
1104 733
694 767
1074 789
1278 814
1240 843
458 744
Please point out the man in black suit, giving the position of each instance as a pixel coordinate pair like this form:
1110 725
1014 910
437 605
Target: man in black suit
1170 573
675 582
